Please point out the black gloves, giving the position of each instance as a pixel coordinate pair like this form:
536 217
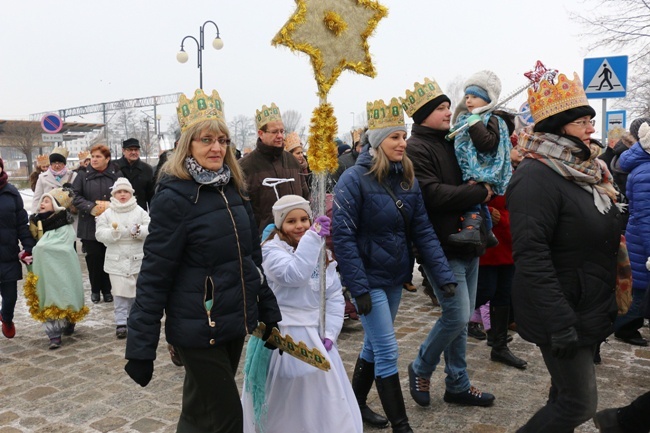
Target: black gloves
448 290
564 343
364 303
267 334
140 371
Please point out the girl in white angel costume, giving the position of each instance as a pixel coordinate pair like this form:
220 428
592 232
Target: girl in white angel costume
295 396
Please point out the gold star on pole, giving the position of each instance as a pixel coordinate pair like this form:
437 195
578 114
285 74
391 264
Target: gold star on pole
334 33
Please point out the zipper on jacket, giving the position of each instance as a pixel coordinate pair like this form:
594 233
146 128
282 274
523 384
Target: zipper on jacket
241 263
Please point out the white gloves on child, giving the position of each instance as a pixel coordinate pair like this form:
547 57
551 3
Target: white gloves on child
647 264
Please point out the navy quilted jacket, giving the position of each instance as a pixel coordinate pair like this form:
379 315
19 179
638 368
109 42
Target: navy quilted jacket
369 234
636 161
13 228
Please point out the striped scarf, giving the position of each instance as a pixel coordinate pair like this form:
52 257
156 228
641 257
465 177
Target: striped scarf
561 155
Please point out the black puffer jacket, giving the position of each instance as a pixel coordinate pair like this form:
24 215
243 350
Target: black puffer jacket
13 228
89 186
202 240
445 195
565 256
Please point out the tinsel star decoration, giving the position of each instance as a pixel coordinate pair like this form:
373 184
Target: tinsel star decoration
540 73
334 33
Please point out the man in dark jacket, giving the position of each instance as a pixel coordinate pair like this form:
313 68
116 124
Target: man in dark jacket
269 160
446 197
138 172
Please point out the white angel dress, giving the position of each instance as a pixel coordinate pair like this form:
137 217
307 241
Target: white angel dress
298 396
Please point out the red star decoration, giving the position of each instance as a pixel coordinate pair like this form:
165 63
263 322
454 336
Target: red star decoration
540 73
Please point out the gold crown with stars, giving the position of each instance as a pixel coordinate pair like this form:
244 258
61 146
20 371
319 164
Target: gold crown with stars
201 107
421 94
381 115
267 114
552 99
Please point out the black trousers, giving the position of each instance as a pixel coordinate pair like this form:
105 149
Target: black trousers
211 401
95 254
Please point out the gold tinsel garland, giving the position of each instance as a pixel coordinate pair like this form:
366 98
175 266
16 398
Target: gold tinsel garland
323 153
52 312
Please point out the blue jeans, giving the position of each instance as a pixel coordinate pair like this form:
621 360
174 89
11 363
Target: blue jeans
573 396
379 342
9 293
632 321
449 334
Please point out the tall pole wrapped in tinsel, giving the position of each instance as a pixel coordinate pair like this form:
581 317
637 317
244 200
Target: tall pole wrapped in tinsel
334 33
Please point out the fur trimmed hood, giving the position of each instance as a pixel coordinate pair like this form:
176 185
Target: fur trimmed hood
487 80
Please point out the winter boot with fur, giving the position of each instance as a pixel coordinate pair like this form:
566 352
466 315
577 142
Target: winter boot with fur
500 352
390 394
471 231
362 380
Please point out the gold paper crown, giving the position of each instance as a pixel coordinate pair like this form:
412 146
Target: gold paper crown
83 155
552 98
43 159
202 107
381 115
421 94
291 141
267 114
61 151
62 196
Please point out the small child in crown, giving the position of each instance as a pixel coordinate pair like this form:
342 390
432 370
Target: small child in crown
293 394
123 229
482 150
56 298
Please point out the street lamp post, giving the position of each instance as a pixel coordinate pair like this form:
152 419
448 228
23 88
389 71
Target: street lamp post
217 43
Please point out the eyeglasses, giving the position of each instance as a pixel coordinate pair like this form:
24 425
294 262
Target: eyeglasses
210 141
276 132
584 123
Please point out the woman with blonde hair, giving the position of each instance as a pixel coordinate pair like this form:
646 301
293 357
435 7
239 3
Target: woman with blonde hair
202 268
378 214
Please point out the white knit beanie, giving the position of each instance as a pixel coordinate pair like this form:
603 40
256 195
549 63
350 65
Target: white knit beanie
286 204
487 80
122 183
644 136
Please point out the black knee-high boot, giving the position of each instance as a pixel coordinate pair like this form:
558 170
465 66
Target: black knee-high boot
362 380
390 394
500 352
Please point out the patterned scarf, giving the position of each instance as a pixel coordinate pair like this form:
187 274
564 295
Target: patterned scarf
561 154
207 177
58 174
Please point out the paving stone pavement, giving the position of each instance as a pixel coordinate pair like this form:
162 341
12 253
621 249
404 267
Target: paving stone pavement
82 387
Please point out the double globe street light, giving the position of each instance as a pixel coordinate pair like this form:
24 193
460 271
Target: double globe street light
217 43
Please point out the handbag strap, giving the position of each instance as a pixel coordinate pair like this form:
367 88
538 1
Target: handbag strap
400 208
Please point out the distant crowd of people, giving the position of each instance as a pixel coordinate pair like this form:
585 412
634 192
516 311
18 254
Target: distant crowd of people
511 225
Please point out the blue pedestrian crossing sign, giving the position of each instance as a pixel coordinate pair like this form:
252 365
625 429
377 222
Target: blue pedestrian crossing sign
605 77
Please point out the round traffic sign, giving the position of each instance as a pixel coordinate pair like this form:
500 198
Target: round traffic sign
51 123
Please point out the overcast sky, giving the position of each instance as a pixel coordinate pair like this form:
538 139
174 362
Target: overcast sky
70 53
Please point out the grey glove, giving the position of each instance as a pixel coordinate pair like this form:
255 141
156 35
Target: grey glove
564 343
364 303
449 290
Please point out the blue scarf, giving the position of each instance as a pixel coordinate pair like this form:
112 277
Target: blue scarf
491 167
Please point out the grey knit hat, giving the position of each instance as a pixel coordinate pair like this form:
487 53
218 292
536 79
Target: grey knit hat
634 127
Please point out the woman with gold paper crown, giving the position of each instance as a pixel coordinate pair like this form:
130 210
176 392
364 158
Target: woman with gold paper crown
380 214
565 232
202 268
291 394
